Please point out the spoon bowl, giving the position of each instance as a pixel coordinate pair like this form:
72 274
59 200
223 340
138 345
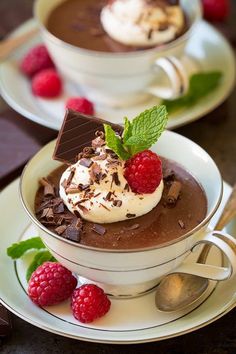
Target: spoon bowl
178 290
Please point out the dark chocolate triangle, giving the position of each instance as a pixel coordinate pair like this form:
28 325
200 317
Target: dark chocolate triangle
77 132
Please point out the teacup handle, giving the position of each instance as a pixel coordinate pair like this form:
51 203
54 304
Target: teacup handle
227 245
178 72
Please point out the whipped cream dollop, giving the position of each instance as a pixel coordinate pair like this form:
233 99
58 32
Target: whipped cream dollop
95 187
142 23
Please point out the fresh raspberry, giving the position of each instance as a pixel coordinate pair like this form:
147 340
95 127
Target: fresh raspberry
89 302
50 284
47 83
80 104
143 172
216 10
36 60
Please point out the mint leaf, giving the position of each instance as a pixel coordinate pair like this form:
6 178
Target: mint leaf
146 129
39 259
114 143
200 85
16 250
127 130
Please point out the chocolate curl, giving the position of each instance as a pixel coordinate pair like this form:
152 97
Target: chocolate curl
174 192
48 187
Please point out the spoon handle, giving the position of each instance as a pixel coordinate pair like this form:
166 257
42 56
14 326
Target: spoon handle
227 214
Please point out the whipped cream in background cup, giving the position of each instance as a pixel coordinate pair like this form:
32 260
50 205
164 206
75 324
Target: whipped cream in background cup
132 272
124 79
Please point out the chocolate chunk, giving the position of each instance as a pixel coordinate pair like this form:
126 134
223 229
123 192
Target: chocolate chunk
73 233
60 229
99 229
5 322
130 215
59 208
77 132
86 162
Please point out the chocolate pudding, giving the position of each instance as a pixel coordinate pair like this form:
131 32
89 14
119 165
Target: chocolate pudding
174 215
77 22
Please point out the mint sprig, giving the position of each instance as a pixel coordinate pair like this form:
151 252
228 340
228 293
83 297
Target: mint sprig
17 250
200 85
139 134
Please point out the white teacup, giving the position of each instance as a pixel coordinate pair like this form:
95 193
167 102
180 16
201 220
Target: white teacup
133 272
123 79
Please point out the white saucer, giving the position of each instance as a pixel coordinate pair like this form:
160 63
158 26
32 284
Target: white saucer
128 321
208 46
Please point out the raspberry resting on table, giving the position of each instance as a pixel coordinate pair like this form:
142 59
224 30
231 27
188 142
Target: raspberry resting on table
36 60
50 284
89 302
80 104
143 172
47 83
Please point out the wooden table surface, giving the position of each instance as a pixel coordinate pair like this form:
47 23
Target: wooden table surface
20 139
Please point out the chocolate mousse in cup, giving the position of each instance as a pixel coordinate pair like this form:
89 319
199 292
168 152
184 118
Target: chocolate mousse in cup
121 51
123 207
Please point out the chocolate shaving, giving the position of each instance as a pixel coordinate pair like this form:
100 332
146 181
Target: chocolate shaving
84 187
81 201
181 224
108 196
99 229
72 190
49 188
73 233
173 193
100 134
64 184
127 187
128 215
149 35
48 214
104 206
98 142
86 162
83 208
95 172
115 178
100 157
60 229
132 227
117 203
71 175
77 214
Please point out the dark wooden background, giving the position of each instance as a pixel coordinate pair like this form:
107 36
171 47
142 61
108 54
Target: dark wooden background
20 139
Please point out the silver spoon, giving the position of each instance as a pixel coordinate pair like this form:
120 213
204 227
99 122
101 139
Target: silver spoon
178 290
